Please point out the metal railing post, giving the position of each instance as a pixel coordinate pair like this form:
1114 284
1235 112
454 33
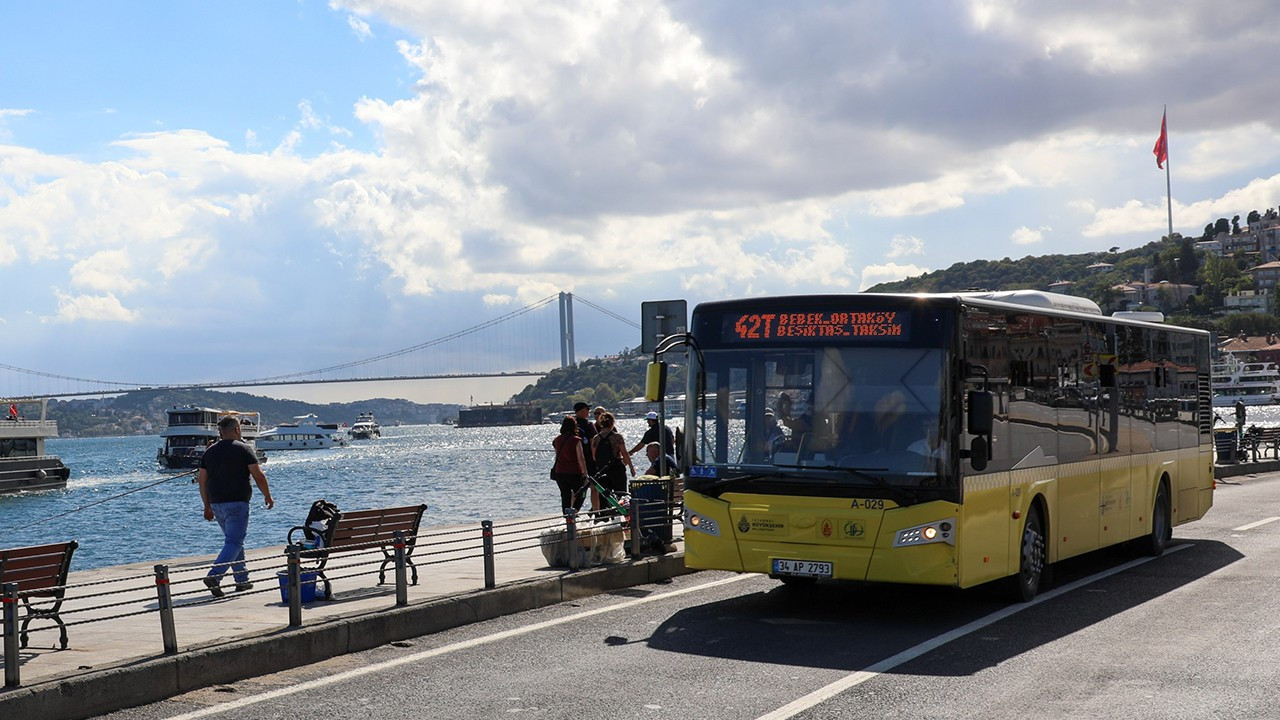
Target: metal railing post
9 599
486 535
402 582
633 518
295 585
167 632
571 539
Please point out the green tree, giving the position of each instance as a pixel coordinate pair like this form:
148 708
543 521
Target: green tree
1254 217
1235 225
1221 226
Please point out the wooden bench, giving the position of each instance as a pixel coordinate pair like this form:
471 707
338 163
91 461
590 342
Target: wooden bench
1263 439
40 572
360 531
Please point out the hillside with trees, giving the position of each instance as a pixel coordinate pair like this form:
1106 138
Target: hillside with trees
598 381
1177 260
143 412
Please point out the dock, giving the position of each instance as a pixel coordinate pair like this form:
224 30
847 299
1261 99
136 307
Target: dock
117 658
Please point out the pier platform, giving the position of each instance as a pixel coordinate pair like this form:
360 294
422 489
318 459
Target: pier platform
120 662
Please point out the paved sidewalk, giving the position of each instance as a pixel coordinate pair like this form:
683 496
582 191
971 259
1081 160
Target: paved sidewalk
451 591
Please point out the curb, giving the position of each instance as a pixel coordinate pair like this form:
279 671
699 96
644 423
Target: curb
152 679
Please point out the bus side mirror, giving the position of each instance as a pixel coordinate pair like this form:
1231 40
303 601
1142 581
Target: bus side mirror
981 412
655 382
978 453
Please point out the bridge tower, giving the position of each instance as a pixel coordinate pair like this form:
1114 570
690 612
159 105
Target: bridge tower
566 330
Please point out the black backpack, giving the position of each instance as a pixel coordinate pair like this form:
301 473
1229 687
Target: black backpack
319 519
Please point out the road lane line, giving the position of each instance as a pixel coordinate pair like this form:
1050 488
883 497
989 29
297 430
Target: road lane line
857 678
443 650
1251 526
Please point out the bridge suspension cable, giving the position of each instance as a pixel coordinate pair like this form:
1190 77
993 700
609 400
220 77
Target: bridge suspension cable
610 313
405 351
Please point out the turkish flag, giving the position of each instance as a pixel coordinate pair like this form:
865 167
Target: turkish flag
1162 145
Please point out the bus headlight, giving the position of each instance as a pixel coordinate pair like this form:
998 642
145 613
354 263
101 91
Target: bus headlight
934 532
700 523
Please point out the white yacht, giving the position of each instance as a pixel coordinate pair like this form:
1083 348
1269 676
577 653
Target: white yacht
23 464
1253 383
306 432
191 429
365 427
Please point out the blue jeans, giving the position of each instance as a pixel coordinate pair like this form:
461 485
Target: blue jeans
233 518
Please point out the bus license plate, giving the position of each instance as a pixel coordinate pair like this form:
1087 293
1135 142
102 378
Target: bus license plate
802 568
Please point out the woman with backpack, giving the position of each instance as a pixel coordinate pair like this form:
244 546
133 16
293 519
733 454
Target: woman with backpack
610 453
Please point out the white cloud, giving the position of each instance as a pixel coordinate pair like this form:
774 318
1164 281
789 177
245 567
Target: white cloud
1026 236
888 272
902 245
106 308
1152 217
106 271
359 28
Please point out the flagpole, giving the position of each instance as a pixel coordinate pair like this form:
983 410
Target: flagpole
1168 193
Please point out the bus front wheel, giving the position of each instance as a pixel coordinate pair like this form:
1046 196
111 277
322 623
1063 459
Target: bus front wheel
1161 527
1031 559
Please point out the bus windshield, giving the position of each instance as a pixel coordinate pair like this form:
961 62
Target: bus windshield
827 416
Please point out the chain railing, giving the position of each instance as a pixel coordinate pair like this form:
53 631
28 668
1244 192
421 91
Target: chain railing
181 588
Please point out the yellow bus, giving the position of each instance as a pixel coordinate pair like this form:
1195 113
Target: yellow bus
949 439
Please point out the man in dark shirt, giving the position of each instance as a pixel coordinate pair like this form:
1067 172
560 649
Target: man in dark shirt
224 475
651 435
586 431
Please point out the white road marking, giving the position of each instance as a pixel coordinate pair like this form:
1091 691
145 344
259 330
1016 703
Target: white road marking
434 652
857 678
1253 525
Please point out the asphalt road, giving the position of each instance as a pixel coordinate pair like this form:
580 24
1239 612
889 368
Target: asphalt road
1193 634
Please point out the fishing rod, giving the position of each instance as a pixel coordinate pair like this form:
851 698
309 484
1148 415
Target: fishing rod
99 502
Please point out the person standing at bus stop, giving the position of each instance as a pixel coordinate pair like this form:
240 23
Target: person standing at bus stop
224 475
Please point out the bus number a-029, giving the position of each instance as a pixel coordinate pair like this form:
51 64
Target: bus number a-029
801 568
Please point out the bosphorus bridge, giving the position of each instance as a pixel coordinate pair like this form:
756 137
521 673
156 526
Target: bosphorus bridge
522 342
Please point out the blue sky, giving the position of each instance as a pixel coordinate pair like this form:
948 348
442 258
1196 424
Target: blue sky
194 192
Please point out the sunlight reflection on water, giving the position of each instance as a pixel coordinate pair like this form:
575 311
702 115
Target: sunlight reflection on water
464 474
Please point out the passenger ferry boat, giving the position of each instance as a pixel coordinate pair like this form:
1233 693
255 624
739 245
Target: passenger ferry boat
365 427
306 432
23 464
191 429
1253 383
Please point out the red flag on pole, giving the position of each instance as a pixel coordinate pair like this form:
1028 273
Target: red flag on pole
1162 145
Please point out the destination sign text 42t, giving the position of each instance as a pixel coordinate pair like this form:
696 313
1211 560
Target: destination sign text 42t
887 324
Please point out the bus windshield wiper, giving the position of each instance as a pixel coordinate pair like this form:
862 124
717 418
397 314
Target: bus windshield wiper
712 487
902 495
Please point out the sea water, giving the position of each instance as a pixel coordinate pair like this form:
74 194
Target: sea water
464 475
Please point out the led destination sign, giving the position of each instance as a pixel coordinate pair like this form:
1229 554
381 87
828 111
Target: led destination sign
865 324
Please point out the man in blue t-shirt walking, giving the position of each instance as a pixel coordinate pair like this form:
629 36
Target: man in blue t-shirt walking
224 476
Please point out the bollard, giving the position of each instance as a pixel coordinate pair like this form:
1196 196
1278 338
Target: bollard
486 535
9 598
295 585
571 540
167 632
633 519
402 584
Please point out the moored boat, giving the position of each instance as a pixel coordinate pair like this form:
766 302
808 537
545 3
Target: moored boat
23 462
1252 383
365 427
191 429
306 432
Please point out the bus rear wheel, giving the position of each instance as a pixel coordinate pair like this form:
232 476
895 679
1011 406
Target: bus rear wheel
1161 527
1031 559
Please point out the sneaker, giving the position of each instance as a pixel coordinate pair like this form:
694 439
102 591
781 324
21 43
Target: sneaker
241 587
214 587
